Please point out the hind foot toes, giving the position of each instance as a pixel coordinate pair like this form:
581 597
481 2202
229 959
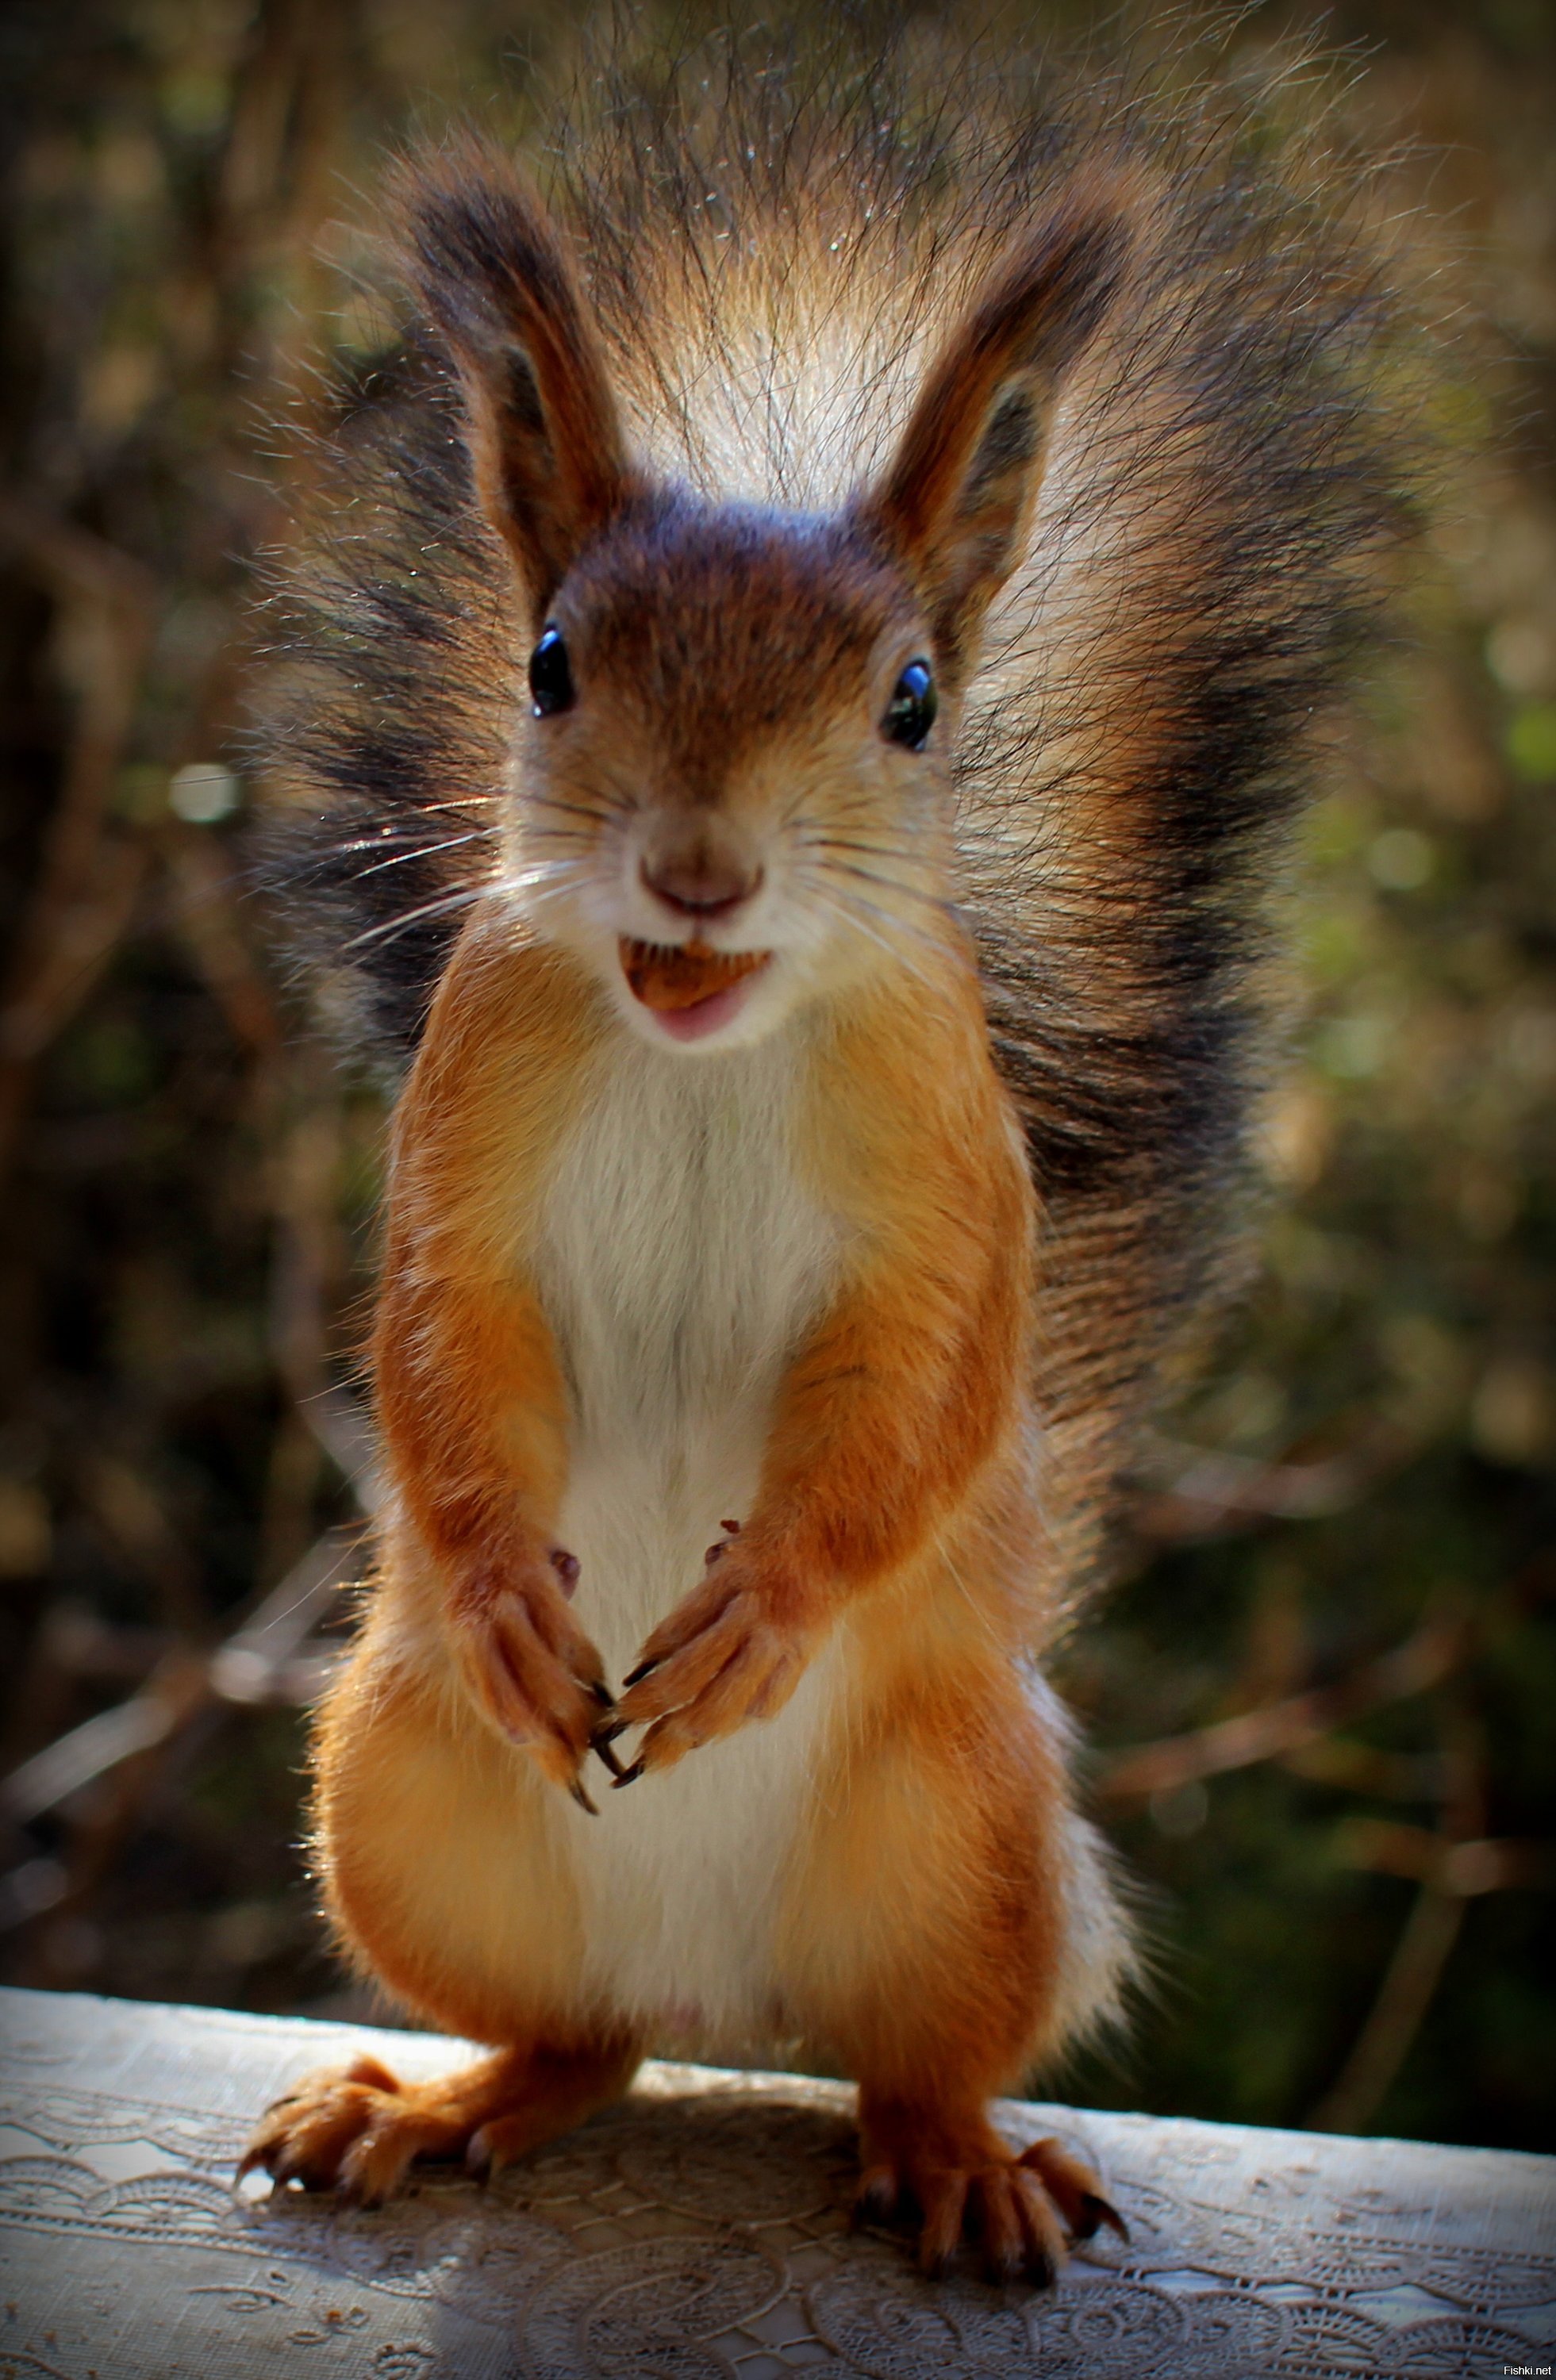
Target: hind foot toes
1021 2212
352 2130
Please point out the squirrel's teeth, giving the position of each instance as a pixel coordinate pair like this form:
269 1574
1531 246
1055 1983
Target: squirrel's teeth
678 975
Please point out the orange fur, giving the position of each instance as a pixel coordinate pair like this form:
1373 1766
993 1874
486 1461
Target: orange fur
734 677
898 1398
358 2131
423 1824
723 1357
923 1919
470 1397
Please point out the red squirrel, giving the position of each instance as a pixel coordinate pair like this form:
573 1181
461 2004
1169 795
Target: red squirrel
821 617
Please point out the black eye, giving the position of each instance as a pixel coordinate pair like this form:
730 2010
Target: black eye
910 714
551 679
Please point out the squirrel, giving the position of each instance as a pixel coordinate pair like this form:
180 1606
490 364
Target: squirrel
798 681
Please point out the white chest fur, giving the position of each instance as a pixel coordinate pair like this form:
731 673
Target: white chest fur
680 1260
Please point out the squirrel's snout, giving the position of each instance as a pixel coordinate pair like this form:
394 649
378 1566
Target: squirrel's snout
702 884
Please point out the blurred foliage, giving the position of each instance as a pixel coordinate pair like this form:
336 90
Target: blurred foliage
1343 1844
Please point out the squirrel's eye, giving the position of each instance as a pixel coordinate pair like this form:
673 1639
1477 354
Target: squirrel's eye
551 679
910 714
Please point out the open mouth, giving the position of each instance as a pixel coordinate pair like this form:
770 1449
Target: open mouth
690 988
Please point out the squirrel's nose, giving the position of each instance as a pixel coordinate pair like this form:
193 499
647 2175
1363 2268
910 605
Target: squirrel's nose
700 883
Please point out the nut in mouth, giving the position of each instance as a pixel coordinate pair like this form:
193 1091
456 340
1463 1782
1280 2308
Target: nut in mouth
666 976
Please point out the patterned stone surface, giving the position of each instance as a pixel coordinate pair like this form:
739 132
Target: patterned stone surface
700 2232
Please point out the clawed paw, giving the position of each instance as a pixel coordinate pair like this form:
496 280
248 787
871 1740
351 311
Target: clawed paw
1021 2213
527 1664
355 2130
735 1650
351 2129
1075 2189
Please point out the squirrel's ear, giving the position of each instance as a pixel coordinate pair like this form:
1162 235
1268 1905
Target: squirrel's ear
955 502
546 443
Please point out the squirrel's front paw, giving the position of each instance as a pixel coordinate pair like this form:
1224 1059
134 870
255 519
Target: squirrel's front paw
526 1664
735 1650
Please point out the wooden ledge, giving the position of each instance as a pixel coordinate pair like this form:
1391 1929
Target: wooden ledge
701 2231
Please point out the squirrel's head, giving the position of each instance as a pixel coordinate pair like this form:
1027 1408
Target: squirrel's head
733 791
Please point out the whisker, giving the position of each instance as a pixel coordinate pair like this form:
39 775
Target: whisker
871 844
913 928
888 884
850 917
548 871
420 851
609 806
383 836
538 872
557 834
463 801
828 870
843 802
896 927
413 917
454 804
544 877
849 908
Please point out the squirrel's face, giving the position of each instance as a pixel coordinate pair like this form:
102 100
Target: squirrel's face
732 796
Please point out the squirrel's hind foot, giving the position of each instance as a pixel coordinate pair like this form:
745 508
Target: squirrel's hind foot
357 2130
354 2130
960 2182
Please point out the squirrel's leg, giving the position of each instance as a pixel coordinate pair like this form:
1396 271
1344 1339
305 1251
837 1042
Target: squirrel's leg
472 1408
444 1860
355 2129
936 1942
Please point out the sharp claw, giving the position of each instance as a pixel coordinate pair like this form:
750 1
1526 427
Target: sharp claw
713 1554
628 1776
602 1743
1100 2210
634 1677
609 1733
601 1693
581 1797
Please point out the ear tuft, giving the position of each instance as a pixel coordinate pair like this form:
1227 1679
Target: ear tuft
493 273
955 502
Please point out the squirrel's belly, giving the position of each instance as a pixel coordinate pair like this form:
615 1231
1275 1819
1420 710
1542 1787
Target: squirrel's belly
681 1876
680 1264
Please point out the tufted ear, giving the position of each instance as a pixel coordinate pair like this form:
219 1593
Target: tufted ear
955 502
546 438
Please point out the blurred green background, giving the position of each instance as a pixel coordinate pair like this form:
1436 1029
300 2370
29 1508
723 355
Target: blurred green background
1322 1699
